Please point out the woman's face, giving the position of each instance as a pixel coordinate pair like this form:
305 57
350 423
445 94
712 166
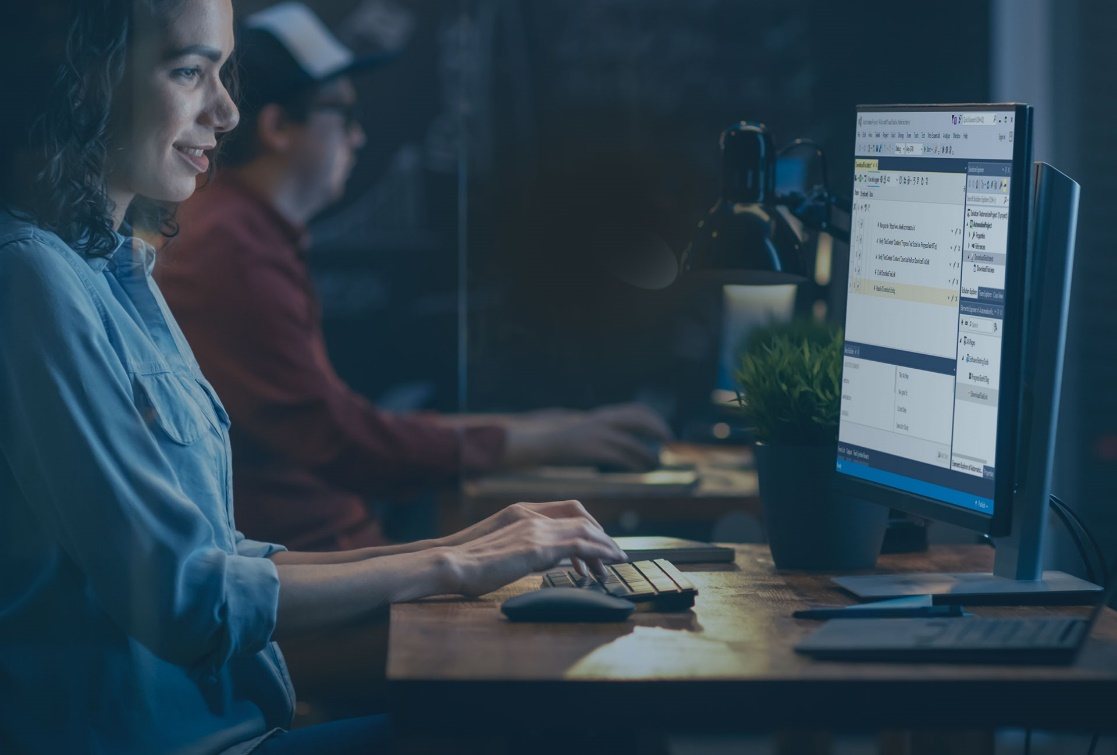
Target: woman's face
179 103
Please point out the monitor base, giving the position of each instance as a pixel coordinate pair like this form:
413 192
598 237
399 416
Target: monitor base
975 588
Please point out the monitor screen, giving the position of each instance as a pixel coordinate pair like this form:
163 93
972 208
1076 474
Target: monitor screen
925 314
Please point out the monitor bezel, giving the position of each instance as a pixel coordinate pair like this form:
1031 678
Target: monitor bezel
1000 521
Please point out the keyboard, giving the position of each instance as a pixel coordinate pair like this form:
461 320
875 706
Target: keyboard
1015 640
652 585
981 634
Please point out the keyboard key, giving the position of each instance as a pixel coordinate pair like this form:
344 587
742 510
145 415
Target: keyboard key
654 583
562 579
627 572
618 590
677 576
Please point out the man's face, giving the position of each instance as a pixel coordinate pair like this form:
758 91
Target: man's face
325 149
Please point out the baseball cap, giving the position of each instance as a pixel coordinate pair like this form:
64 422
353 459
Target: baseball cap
286 48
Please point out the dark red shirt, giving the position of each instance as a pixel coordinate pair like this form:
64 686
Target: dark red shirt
307 450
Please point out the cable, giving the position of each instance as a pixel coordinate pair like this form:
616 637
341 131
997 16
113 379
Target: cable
1072 522
797 143
1099 554
1094 743
1075 535
1027 741
1080 534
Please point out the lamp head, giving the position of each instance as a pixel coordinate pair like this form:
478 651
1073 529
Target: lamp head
748 164
746 238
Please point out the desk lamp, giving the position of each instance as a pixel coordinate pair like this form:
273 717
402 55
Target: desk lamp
752 235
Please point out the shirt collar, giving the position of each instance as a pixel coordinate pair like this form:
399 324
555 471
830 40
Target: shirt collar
97 263
295 232
130 255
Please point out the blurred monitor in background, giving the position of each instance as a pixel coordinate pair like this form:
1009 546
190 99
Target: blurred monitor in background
744 309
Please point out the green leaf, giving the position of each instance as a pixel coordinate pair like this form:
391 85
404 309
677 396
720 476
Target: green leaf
790 382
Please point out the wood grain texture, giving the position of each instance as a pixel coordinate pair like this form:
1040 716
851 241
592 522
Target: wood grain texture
737 644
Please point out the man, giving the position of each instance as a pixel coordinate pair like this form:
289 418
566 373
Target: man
308 451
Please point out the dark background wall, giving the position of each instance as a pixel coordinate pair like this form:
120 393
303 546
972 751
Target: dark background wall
590 130
1083 79
607 116
540 136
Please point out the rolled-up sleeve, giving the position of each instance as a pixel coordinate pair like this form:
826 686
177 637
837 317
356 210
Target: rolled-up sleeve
255 548
99 483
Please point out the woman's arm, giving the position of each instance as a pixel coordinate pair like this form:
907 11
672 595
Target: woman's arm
503 518
75 442
319 596
326 558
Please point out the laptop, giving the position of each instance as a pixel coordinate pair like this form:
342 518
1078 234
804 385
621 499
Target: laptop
1043 640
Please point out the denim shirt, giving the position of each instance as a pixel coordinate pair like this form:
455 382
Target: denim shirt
133 616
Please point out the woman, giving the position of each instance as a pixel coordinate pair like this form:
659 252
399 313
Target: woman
133 616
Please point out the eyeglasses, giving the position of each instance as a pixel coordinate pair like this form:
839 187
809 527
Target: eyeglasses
347 111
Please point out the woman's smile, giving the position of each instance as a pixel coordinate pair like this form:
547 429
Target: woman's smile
195 156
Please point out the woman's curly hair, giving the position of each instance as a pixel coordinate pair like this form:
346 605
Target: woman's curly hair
72 57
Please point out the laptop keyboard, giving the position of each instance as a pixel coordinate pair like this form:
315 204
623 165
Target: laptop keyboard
1004 633
655 585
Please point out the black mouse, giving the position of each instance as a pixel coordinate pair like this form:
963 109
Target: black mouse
566 604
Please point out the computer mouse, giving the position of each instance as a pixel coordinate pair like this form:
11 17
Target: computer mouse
566 604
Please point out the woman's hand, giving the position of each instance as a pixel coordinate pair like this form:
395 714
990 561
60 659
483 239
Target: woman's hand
525 511
516 512
528 544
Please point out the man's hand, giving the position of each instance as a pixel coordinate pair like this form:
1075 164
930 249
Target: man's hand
625 436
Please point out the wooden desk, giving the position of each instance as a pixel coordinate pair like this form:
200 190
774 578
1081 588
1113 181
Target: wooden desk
727 486
458 665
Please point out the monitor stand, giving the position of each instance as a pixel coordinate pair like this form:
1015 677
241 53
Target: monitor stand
1018 576
975 588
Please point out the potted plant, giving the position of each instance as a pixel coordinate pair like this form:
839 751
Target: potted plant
790 380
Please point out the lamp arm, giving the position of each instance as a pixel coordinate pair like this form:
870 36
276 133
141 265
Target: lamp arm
820 210
815 147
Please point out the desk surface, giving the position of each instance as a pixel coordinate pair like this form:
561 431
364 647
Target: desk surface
729 663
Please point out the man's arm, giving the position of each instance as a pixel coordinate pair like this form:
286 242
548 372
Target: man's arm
252 323
626 436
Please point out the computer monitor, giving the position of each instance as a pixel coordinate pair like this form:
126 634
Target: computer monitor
939 308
